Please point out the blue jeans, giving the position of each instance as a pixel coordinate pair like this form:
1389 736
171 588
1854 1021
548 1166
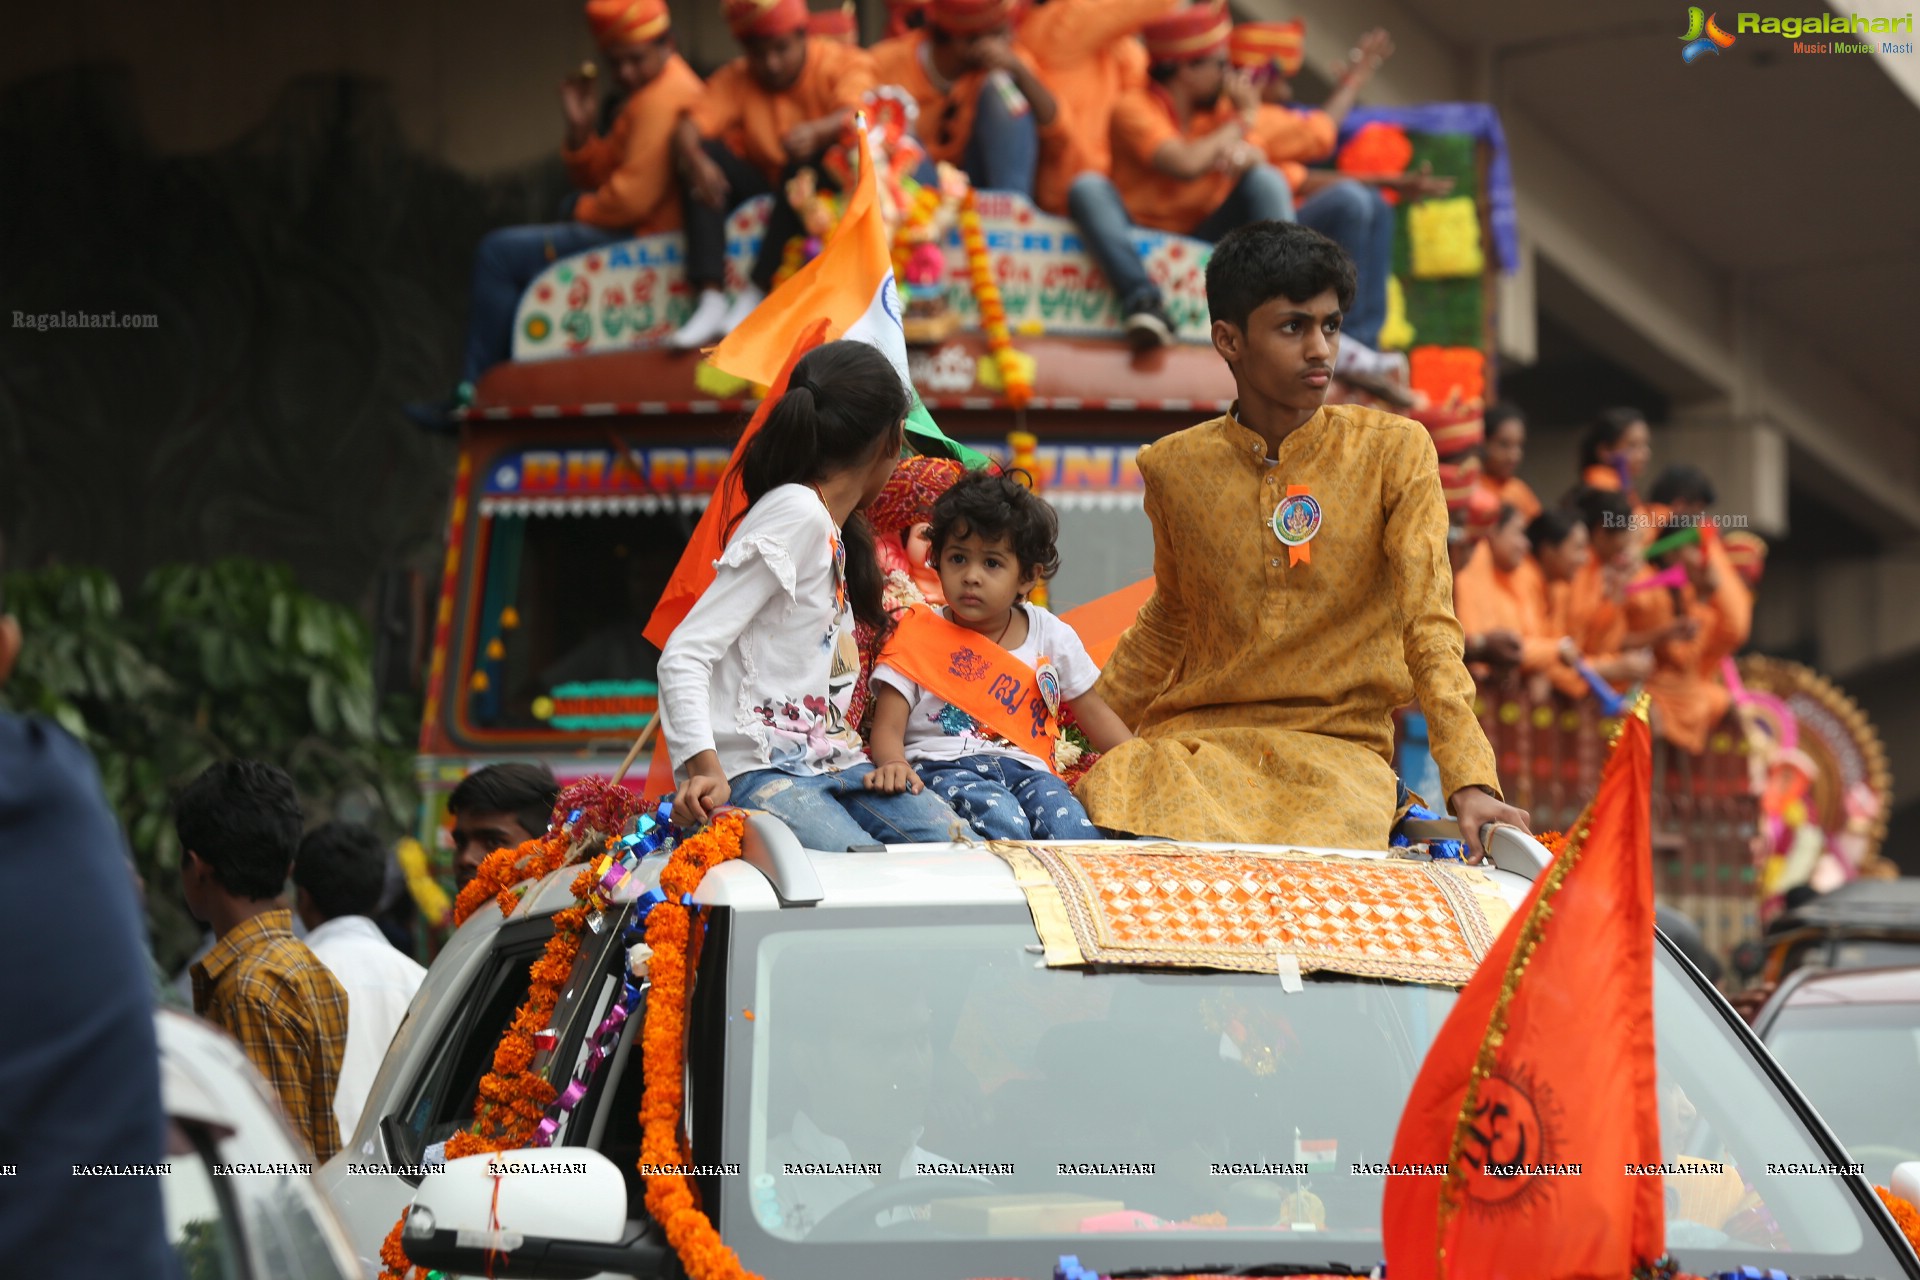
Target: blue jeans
1003 152
1007 800
1359 218
1094 203
503 266
833 812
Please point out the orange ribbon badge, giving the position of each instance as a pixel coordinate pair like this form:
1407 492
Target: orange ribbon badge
1295 521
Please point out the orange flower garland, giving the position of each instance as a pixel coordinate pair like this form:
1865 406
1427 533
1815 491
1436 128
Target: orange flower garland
1906 1215
993 312
504 869
663 1038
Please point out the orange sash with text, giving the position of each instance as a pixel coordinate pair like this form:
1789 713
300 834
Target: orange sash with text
976 675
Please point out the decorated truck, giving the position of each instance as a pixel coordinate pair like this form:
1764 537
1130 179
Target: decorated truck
586 459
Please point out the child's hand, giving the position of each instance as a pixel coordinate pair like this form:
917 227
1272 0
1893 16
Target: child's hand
699 796
891 779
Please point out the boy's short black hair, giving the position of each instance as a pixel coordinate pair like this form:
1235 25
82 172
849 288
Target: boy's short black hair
1682 482
1262 261
993 504
524 791
242 818
344 867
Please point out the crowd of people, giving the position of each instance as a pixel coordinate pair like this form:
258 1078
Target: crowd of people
1178 120
1616 586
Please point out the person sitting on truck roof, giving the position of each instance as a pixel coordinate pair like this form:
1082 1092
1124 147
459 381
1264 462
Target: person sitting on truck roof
1182 161
625 179
1596 595
764 115
983 106
1301 593
1501 454
1351 210
501 806
1615 451
1694 622
1091 56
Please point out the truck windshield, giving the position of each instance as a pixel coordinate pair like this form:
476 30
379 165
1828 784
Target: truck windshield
929 1081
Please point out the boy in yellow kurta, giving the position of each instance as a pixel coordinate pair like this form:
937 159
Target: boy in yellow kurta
1302 593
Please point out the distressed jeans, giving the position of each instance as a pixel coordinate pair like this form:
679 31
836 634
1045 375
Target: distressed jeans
834 812
1094 203
1007 800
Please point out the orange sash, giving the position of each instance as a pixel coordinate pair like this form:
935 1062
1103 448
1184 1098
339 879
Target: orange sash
976 675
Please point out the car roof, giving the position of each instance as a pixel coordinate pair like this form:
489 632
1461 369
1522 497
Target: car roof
1860 904
774 873
1899 985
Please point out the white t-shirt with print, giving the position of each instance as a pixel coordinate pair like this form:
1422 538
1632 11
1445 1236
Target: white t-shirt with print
939 731
761 671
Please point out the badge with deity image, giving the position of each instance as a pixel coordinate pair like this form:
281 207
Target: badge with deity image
1047 676
1296 519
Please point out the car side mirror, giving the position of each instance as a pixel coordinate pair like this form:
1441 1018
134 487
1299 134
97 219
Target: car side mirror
555 1213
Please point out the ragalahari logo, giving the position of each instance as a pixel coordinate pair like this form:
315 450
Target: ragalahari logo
1703 35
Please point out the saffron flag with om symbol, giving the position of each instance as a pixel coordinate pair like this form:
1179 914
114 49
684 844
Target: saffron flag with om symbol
1546 1063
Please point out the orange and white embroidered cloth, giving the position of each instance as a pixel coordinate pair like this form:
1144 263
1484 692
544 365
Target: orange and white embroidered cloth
1167 905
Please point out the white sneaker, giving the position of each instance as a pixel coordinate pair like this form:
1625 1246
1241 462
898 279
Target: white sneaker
706 325
1357 357
743 304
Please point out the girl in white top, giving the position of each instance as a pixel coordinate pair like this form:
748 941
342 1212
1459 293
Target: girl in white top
755 682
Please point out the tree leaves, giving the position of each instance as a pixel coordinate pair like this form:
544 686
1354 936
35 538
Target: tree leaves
205 662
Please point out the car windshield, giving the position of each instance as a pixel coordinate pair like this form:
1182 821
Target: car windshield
928 1079
1857 1064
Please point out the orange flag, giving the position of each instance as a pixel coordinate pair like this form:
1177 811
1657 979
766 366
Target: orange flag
1544 1066
694 573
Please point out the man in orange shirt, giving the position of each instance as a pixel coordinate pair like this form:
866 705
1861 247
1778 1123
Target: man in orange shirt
1089 54
1185 159
763 117
1499 596
625 180
983 105
1502 453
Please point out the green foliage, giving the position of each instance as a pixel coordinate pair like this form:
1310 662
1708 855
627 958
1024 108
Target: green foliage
206 662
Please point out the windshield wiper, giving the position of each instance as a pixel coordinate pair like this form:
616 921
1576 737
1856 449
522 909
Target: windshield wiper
1249 1269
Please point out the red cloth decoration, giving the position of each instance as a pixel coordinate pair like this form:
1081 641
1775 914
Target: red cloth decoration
1255 46
836 24
907 498
1377 148
1448 373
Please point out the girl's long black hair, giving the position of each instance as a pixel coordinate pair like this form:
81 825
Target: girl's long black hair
843 401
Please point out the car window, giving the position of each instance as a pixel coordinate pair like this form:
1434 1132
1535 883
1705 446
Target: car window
443 1100
1857 1064
200 1224
1166 1106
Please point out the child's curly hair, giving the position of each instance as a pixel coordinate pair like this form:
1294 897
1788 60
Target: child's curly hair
991 504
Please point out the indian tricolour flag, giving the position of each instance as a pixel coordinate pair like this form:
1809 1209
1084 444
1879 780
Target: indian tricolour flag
851 286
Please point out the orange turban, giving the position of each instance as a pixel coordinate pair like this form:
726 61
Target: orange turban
970 17
1188 35
836 24
622 22
756 19
1456 427
1256 45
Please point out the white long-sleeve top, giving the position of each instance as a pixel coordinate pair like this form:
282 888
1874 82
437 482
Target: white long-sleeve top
761 671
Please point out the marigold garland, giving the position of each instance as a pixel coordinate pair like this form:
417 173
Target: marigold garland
1904 1214
670 1198
993 312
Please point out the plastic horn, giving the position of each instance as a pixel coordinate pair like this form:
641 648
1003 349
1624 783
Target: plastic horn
1673 577
1672 542
1610 703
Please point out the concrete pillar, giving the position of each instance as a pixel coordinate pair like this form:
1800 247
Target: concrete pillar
1747 458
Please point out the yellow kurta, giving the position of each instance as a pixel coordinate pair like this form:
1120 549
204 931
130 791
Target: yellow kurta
1263 693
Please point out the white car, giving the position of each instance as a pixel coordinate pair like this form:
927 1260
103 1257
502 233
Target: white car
861 1017
242 1201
